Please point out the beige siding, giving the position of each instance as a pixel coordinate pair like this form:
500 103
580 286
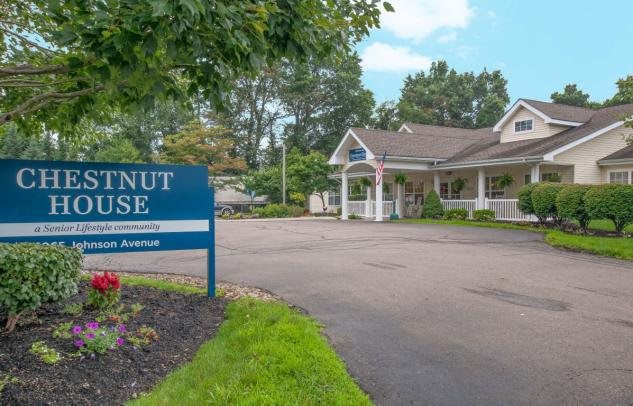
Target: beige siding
585 155
617 168
540 128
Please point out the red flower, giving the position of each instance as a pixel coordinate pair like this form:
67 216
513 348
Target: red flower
113 280
99 283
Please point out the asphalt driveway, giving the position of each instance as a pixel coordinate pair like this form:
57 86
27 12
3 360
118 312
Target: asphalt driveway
428 314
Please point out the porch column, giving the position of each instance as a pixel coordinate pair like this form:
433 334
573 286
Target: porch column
436 182
535 173
379 199
481 189
344 192
399 200
368 203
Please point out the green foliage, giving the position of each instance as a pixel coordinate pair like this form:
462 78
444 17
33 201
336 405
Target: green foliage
613 202
98 339
386 116
297 198
129 54
505 180
265 182
445 97
484 215
309 173
624 94
570 204
73 309
7 379
278 211
525 198
353 216
264 353
609 246
544 201
571 96
32 274
456 214
459 184
63 330
119 151
364 182
47 354
400 178
432 207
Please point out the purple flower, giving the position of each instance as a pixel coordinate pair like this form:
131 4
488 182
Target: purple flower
122 329
93 325
90 336
76 330
119 341
79 343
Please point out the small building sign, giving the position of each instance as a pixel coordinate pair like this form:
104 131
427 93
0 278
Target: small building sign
107 208
357 154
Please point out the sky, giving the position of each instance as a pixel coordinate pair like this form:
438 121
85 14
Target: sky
538 45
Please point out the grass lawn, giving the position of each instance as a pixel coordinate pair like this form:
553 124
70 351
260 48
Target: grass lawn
618 247
264 354
607 225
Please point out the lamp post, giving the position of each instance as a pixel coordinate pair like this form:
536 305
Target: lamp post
283 173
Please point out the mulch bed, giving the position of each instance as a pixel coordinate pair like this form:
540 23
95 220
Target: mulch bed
183 323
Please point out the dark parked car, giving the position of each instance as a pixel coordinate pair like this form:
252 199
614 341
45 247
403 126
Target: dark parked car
222 209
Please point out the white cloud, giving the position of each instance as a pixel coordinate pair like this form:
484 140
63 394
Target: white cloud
450 37
383 57
417 19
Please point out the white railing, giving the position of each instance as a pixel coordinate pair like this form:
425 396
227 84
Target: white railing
356 207
507 209
470 205
387 208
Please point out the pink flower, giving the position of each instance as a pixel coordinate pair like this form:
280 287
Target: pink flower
119 341
79 343
76 330
90 336
122 328
93 325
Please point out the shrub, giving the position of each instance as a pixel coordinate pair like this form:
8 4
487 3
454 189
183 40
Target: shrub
104 290
32 274
525 198
544 201
570 203
432 207
484 215
456 214
613 202
278 211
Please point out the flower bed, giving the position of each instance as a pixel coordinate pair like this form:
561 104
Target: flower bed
68 353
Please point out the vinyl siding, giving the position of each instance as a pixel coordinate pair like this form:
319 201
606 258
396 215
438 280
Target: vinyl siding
584 156
616 168
539 129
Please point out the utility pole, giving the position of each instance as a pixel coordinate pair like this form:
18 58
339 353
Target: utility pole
283 173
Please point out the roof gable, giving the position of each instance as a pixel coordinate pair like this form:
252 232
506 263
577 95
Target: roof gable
551 113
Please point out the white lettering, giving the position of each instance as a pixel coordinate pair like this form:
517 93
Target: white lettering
54 178
77 207
139 204
71 179
20 178
55 204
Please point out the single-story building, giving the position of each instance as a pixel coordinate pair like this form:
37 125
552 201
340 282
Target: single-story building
481 168
229 190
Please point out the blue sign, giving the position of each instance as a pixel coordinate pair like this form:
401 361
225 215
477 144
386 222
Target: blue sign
357 154
106 208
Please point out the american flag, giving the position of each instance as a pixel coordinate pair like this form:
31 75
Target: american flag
380 168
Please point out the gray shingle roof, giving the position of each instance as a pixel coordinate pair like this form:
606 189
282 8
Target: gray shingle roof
624 153
439 131
440 144
562 111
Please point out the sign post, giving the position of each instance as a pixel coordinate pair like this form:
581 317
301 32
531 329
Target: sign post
108 208
211 249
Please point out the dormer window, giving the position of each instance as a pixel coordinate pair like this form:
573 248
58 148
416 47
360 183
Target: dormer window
523 126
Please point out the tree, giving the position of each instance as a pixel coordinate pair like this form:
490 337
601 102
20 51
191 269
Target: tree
61 57
265 182
571 96
386 116
200 145
445 97
308 174
119 150
624 94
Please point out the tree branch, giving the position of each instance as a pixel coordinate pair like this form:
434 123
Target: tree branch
26 69
27 41
37 102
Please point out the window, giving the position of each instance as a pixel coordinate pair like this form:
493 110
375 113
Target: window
448 192
413 193
527 179
334 197
492 190
619 177
523 125
550 177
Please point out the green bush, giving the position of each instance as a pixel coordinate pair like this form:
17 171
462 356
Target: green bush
432 208
570 204
278 211
456 214
544 201
613 202
484 215
32 274
525 198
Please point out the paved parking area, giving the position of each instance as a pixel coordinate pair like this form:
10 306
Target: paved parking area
429 314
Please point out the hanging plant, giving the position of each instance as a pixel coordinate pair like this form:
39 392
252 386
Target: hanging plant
365 182
385 188
458 184
356 190
505 181
400 178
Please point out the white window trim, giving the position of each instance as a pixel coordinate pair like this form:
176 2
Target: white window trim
514 126
489 191
629 180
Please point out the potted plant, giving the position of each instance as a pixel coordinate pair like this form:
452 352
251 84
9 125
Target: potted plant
505 180
459 184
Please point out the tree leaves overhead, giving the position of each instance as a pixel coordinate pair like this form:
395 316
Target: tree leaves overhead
447 98
571 96
58 57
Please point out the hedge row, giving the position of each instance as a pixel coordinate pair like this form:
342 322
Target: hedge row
279 211
583 203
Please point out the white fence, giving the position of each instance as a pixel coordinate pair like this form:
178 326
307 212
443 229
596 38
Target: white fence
469 205
387 208
356 207
507 209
